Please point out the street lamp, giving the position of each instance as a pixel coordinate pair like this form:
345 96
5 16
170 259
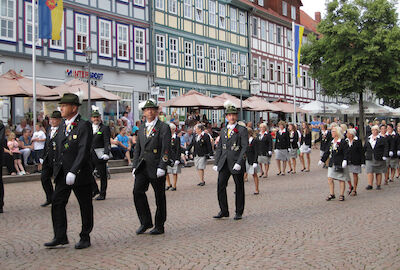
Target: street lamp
88 52
240 78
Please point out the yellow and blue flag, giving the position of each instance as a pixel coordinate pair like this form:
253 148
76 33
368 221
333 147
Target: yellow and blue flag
51 14
298 39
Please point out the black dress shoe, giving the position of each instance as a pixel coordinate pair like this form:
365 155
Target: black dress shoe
201 184
237 217
221 215
173 189
368 187
56 242
100 198
157 231
45 204
82 244
143 228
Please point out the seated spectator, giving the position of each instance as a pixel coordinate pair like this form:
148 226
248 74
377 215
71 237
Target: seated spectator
115 151
124 144
8 160
13 146
25 145
38 141
136 127
20 128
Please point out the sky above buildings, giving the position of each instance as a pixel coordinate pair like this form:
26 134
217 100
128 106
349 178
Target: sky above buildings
312 6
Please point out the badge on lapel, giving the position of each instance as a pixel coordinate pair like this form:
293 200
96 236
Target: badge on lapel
155 151
74 136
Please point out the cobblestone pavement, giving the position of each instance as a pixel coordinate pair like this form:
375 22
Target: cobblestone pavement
288 226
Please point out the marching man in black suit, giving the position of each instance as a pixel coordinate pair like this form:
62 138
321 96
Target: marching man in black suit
100 151
48 157
150 161
73 172
230 160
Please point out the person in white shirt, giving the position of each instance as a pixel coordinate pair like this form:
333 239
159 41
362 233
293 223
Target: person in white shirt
23 125
38 141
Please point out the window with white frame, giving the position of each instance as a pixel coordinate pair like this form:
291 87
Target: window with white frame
187 9
263 30
160 49
289 78
233 18
140 50
122 42
221 16
173 51
160 4
28 25
143 96
234 60
271 72
200 57
255 68
172 6
213 59
284 8
264 70
222 60
139 3
243 64
289 38
188 54
261 2
254 26
211 13
104 38
199 10
8 20
278 73
271 32
58 44
309 82
242 23
304 77
293 13
279 35
81 32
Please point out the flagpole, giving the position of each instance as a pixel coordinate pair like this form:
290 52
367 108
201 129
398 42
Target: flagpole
34 61
294 75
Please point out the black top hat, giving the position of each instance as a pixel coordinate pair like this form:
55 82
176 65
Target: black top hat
56 114
69 98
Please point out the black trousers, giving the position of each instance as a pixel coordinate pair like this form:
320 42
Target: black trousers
223 177
59 202
47 173
101 167
142 182
1 186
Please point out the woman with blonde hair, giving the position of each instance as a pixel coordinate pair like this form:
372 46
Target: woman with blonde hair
12 144
356 159
293 146
263 143
251 161
337 170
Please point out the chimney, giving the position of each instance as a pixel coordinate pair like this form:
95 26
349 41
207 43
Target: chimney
318 17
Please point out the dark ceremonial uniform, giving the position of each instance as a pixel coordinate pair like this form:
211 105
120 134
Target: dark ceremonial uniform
48 163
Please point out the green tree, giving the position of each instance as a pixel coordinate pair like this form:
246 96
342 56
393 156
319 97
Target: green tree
358 49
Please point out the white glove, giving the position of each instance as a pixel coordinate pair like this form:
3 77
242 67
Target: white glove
320 163
41 160
270 153
255 165
384 158
362 165
70 179
215 168
398 153
211 157
105 157
187 153
289 150
344 163
390 153
133 172
237 167
313 141
160 172
176 162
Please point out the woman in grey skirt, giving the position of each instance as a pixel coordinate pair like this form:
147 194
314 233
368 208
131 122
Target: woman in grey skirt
337 170
294 144
375 157
282 147
175 158
251 161
356 159
392 162
263 145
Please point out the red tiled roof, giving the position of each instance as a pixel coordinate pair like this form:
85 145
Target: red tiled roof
308 22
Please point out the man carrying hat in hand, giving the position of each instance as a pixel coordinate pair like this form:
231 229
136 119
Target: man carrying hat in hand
72 172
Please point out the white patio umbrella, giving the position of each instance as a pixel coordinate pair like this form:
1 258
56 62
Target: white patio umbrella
317 107
369 108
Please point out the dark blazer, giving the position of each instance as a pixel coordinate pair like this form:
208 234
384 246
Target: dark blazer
101 139
202 147
393 144
356 152
325 140
152 152
293 142
73 152
282 140
175 154
264 145
381 149
232 150
336 156
49 149
252 153
306 139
